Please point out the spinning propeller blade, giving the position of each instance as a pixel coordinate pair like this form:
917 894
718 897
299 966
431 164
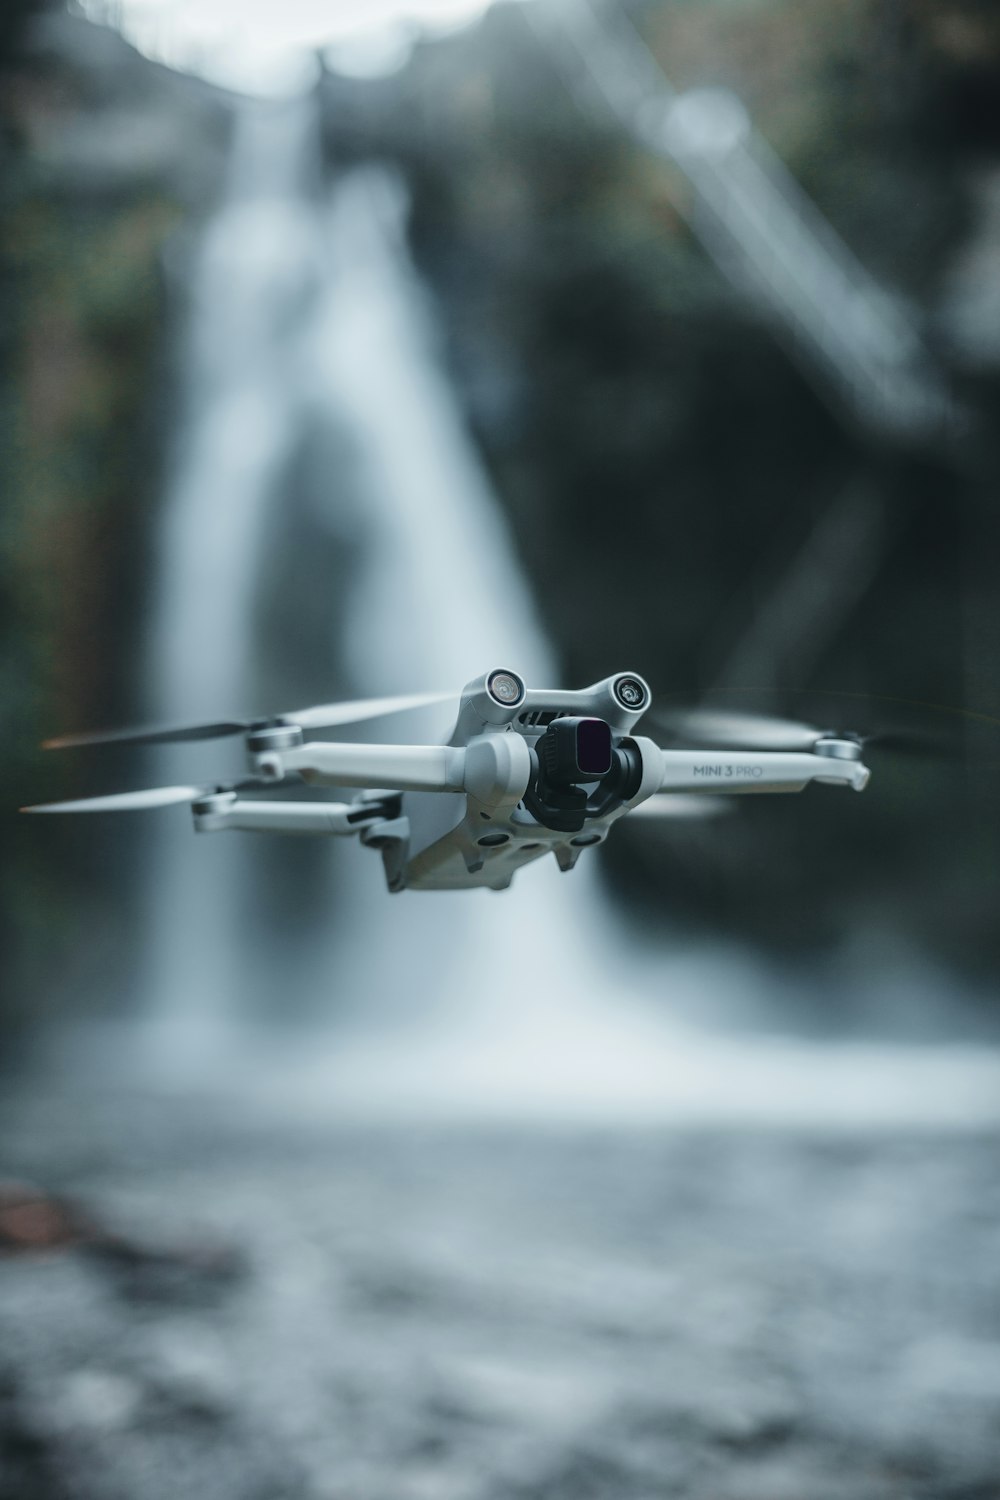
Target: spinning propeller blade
157 796
147 736
730 729
686 806
715 728
326 715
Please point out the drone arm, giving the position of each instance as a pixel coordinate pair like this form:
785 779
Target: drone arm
494 768
224 810
735 771
405 768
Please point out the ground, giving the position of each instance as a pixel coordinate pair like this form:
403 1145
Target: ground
242 1309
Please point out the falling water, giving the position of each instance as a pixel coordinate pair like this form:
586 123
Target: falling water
303 314
529 1001
252 279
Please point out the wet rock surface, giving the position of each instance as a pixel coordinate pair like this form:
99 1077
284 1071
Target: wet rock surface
330 1311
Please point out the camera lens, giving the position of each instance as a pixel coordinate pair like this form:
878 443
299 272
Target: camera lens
630 692
505 688
593 747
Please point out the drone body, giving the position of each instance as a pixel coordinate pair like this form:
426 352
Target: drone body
526 772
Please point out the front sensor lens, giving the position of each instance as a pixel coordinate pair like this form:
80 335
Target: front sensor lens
505 688
630 692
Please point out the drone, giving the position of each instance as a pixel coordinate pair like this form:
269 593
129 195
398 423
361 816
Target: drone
527 772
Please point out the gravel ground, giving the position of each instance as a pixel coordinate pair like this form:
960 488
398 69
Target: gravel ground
339 1312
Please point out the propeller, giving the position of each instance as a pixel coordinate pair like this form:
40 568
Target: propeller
711 728
157 796
726 729
323 716
684 806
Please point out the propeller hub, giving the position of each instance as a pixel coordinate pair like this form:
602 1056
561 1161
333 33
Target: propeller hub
209 811
838 748
213 801
273 736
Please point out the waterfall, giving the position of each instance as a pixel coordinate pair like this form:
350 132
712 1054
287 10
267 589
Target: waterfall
536 971
307 315
440 599
252 276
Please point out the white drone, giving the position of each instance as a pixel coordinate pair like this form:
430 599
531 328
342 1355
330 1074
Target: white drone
526 772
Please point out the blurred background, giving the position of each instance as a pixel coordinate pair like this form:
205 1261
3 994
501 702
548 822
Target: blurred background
355 349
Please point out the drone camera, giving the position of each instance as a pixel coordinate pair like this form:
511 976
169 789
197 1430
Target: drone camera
571 753
575 750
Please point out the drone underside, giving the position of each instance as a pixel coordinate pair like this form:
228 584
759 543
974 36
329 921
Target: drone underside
526 773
